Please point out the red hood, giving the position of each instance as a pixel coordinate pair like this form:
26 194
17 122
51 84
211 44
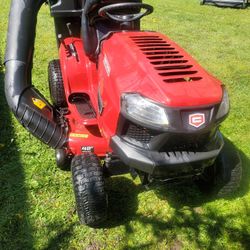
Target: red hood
154 66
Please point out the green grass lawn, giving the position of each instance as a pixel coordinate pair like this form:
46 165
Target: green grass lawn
37 209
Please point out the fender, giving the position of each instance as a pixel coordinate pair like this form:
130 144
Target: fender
31 109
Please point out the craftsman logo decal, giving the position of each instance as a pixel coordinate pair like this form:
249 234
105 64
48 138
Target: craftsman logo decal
197 120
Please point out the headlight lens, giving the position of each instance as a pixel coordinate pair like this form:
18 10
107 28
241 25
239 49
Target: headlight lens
144 110
224 106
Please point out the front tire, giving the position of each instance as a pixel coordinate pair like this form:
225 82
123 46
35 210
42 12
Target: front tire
224 177
90 195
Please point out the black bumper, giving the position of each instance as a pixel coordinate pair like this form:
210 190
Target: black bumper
166 164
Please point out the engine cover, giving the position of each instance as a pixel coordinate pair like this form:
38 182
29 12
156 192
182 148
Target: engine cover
154 66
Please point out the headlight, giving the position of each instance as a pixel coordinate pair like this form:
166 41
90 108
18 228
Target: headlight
224 106
144 110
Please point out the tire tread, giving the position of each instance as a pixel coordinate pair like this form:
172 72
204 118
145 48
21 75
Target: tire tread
56 85
88 182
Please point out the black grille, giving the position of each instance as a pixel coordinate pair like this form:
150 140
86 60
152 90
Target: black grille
170 142
185 143
139 133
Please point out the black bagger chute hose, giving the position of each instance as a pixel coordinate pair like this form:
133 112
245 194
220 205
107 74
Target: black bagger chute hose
31 109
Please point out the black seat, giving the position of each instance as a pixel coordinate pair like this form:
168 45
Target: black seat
95 28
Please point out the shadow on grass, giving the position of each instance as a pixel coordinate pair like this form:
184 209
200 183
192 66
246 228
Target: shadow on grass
61 240
123 204
123 201
15 231
195 226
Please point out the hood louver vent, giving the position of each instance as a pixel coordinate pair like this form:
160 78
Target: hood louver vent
168 61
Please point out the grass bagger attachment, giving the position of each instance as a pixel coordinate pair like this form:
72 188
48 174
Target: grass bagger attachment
122 100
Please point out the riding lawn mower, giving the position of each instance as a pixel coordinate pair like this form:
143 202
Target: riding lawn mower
123 100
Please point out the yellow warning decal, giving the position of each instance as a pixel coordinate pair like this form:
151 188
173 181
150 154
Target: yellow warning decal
39 103
84 136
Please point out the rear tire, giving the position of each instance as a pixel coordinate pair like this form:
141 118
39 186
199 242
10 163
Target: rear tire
224 177
56 86
90 195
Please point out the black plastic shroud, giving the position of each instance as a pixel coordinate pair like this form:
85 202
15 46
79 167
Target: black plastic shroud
31 109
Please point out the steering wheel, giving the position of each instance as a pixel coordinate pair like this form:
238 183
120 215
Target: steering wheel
106 11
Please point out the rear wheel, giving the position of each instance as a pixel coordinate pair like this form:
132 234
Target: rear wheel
56 86
224 177
90 195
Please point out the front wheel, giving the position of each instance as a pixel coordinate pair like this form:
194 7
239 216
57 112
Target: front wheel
90 195
224 177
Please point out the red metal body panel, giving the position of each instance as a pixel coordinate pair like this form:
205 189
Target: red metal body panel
148 63
80 76
174 82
